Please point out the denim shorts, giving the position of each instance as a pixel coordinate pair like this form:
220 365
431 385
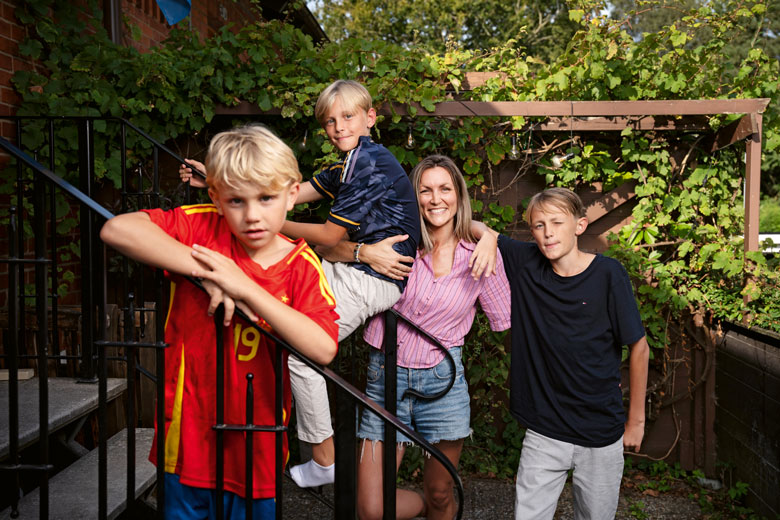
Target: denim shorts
444 419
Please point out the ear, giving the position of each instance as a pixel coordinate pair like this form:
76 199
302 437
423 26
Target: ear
371 117
582 225
214 196
292 195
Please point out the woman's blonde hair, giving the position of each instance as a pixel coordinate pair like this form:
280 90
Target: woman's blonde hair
561 198
352 94
462 224
251 154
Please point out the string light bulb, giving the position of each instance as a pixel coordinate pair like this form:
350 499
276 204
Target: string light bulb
410 143
302 144
514 152
558 160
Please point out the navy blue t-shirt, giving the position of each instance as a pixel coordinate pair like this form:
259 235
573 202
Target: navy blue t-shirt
372 198
567 339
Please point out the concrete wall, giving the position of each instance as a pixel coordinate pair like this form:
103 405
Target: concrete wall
748 416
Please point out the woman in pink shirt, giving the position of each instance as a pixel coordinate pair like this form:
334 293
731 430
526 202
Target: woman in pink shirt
440 298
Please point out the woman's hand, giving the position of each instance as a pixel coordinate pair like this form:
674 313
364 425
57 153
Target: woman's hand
385 260
483 259
186 175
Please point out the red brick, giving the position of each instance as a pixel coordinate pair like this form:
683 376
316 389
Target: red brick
9 96
17 33
5 28
9 46
6 62
20 64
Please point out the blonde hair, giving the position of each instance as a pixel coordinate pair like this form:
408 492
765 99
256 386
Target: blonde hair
462 224
561 198
251 154
352 94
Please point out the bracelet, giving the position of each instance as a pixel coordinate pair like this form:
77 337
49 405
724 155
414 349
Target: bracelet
357 252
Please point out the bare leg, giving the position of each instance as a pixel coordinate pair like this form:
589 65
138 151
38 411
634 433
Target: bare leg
324 453
408 504
438 483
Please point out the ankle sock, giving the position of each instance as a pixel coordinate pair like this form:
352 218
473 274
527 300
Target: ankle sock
312 474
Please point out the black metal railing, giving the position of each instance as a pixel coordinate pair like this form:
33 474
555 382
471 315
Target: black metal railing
93 357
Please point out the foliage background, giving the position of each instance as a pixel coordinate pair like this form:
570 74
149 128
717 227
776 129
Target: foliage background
683 247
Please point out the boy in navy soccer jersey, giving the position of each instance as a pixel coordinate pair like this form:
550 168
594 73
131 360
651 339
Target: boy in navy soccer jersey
372 200
234 245
572 312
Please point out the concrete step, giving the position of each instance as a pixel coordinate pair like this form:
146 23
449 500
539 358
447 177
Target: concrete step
73 492
68 402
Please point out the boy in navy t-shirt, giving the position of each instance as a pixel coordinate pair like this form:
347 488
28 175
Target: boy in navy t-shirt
572 312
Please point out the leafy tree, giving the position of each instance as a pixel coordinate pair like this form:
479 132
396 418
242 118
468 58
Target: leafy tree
759 28
541 27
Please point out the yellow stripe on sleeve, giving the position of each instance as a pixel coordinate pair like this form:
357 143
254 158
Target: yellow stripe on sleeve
199 208
345 220
314 180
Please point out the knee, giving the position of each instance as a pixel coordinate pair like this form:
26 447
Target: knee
439 497
370 511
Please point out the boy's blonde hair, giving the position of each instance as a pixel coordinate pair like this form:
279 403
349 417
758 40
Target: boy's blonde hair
561 198
462 224
251 154
352 94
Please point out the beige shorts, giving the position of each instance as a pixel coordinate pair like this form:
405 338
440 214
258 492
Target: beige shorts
358 297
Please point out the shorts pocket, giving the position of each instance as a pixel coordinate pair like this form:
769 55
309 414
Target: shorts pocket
443 370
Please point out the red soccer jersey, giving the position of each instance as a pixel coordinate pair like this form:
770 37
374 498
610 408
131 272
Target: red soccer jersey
190 359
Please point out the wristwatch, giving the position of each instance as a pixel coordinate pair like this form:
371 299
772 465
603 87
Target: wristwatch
357 252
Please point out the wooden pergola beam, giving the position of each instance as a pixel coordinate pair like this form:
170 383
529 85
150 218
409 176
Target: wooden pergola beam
618 123
582 108
734 132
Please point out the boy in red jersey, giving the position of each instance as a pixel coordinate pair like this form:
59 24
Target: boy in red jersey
234 245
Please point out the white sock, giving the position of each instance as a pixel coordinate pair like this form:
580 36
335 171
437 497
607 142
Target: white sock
312 474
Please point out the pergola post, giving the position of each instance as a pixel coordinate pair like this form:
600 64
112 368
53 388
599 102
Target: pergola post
753 185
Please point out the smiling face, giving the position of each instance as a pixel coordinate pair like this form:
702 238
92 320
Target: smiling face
555 231
345 125
438 198
254 214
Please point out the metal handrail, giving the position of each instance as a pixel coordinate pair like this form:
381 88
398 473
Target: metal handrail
94 207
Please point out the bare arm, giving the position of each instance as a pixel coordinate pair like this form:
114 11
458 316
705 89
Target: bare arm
327 234
293 326
637 373
136 236
380 256
307 193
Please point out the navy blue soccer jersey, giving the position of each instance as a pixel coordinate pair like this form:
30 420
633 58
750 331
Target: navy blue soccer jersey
372 198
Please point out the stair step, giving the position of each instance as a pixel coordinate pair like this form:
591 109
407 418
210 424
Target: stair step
68 400
73 492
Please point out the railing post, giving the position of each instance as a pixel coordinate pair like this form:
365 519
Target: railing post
249 437
159 321
13 361
219 317
42 336
279 435
86 170
345 440
129 338
391 395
